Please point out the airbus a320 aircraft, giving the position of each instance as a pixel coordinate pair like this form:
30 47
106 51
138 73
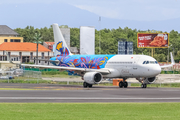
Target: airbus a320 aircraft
95 68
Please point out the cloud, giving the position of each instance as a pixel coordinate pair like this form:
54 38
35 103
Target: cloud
99 11
139 10
28 1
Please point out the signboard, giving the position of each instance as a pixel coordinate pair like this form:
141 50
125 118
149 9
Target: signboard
152 40
125 48
87 40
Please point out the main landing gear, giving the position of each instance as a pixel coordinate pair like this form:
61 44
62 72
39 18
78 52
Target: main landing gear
123 84
143 85
85 85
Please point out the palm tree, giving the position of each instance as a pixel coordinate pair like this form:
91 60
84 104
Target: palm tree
37 37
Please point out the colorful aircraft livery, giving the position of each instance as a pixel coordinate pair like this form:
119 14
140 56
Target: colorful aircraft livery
84 61
63 50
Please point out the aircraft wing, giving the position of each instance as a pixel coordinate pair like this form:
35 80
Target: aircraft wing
170 65
103 71
56 61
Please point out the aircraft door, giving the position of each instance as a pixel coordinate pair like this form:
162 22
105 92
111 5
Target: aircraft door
135 66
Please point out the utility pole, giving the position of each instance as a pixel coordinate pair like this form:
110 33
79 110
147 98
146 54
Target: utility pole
99 34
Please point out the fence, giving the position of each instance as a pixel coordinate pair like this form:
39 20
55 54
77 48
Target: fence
20 75
29 76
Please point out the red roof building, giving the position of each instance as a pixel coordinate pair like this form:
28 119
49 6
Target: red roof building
24 52
26 46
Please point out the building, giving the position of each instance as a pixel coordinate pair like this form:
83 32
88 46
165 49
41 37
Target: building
66 34
48 45
9 35
24 52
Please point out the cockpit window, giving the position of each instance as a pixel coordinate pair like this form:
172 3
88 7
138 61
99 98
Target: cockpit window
152 62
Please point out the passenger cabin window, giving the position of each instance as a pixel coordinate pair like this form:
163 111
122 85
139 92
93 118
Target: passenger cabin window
120 62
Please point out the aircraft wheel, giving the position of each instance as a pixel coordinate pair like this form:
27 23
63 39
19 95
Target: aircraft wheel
90 85
143 85
125 84
85 85
121 84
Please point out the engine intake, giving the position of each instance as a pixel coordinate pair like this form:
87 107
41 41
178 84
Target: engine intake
151 80
93 77
147 80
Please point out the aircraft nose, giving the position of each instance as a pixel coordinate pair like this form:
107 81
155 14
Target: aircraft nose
157 70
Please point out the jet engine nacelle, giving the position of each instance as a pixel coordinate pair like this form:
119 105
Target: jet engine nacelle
151 80
147 80
92 77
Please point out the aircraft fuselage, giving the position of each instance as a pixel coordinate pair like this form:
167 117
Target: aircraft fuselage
128 66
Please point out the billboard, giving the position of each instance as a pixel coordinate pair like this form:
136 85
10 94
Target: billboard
125 48
87 40
152 40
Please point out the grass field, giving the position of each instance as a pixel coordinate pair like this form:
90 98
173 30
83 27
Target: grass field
35 81
90 111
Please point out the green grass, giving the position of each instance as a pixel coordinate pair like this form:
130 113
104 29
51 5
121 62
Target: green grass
35 81
90 111
60 76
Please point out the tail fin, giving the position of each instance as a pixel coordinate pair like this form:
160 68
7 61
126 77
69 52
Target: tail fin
61 48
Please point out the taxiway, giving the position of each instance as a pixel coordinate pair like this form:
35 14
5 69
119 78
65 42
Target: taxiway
41 93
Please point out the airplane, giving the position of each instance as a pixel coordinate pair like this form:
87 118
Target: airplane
95 68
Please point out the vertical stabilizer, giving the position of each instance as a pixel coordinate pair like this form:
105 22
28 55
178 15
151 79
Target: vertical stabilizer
61 48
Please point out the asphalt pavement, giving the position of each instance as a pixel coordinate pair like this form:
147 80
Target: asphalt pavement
43 93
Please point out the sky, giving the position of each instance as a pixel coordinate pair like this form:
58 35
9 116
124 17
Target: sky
160 15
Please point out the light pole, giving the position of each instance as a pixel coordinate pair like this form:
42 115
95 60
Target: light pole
168 52
99 35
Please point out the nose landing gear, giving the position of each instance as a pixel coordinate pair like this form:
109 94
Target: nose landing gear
143 85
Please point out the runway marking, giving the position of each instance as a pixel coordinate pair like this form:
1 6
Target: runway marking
80 98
